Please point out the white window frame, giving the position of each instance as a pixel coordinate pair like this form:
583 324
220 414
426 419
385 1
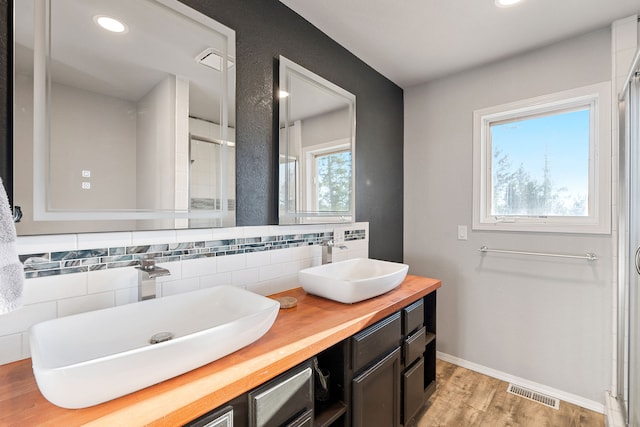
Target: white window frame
598 99
310 173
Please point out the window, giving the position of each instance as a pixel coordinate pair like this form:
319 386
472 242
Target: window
544 164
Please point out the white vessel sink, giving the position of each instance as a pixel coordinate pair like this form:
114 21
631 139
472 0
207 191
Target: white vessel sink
353 280
89 358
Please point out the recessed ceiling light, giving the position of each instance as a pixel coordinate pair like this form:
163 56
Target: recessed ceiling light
506 3
110 24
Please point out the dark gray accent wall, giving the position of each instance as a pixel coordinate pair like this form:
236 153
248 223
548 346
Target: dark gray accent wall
6 96
266 29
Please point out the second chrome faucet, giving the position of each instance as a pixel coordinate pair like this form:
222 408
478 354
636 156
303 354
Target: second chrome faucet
327 250
147 273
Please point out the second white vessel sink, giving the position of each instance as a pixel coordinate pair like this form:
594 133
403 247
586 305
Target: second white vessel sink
89 358
353 280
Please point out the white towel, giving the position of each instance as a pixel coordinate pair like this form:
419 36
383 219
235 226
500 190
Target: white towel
11 270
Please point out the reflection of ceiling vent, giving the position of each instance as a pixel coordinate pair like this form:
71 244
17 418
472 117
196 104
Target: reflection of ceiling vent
211 59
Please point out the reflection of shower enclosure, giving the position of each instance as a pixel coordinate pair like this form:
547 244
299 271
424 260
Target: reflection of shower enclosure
204 182
288 174
211 175
628 331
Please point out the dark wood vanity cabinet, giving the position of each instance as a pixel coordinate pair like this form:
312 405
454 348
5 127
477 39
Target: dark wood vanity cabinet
381 376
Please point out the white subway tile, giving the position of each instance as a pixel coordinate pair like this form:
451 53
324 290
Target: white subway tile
279 256
357 245
305 252
194 235
340 256
53 288
244 277
215 280
22 319
174 267
26 348
268 272
69 306
112 279
261 288
10 348
364 253
103 240
231 262
126 296
257 231
287 282
153 237
198 267
228 233
180 286
46 243
284 283
274 286
293 267
258 259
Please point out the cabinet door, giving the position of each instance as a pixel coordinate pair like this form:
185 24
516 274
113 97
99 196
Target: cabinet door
413 390
376 394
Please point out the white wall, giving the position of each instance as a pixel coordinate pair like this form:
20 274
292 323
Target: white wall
89 132
325 128
546 320
156 155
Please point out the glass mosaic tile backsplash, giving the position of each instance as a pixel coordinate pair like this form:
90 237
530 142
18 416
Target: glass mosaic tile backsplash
78 261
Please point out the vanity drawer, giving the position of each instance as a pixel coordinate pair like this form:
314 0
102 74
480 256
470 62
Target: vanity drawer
413 346
413 391
375 341
412 317
282 399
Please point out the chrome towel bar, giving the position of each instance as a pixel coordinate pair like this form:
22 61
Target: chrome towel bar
588 256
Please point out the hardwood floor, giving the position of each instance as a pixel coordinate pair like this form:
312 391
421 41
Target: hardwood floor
466 398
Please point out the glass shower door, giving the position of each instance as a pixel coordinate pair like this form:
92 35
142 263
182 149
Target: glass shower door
633 291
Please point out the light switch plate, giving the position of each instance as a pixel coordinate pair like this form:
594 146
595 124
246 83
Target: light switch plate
338 235
462 232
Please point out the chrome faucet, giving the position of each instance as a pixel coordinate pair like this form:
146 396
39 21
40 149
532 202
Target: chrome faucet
327 250
147 273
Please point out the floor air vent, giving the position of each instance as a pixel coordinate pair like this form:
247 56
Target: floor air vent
549 401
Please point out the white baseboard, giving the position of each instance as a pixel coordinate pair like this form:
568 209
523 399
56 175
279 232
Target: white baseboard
540 388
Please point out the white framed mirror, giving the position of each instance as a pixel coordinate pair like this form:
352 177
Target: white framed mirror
316 148
109 123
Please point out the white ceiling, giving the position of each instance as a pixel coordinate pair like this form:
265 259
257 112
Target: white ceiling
413 41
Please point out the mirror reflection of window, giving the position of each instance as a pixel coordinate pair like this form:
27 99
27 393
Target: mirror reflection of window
329 177
317 129
332 173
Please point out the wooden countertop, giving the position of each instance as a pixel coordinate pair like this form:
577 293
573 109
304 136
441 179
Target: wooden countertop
297 334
